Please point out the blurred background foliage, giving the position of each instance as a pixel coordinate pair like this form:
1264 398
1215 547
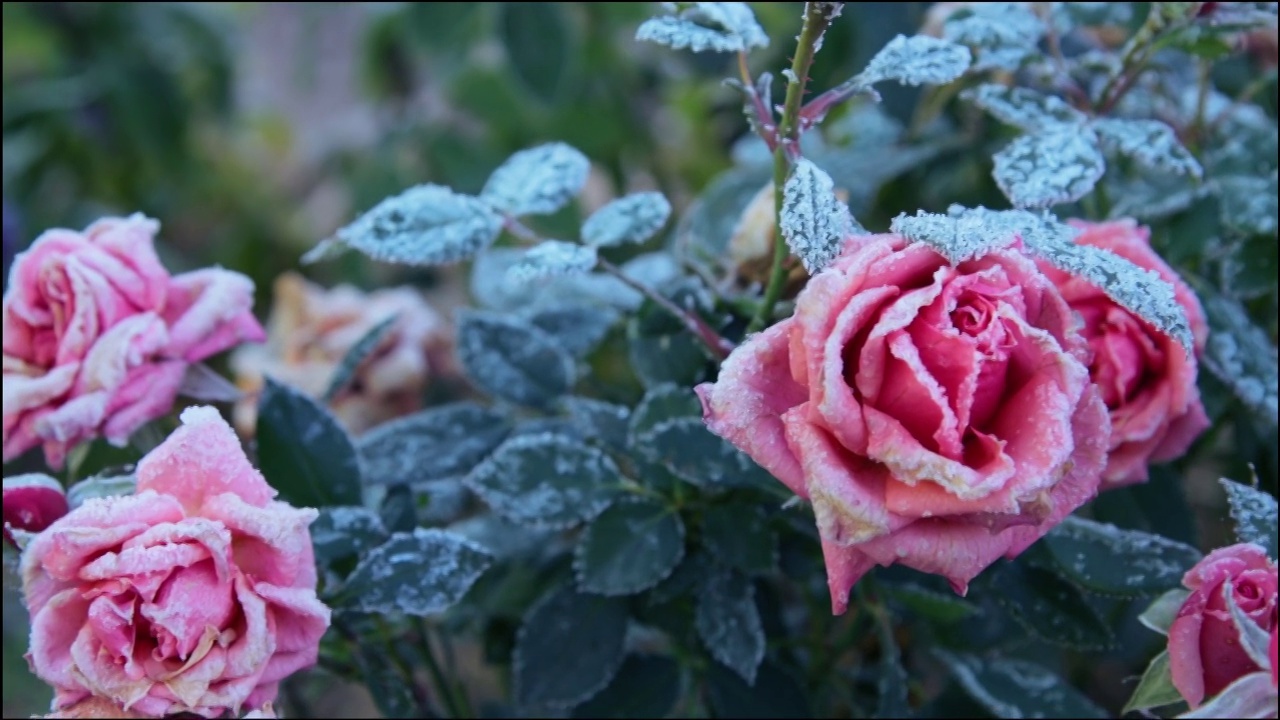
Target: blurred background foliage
252 130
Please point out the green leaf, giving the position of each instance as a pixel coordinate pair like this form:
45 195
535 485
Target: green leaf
541 45
419 573
935 606
662 402
346 531
569 647
546 480
1161 613
729 622
630 547
1018 689
891 685
738 535
646 686
1156 687
399 509
599 419
303 452
1254 513
1105 559
511 359
661 350
1240 353
387 688
442 442
576 328
630 219
1049 607
775 694
358 353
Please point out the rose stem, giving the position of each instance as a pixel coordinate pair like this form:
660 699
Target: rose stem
817 16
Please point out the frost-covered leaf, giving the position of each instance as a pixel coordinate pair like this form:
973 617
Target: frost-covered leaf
738 535
578 328
346 531
813 220
1095 14
537 181
1059 164
729 624
1241 355
303 452
917 60
569 646
419 573
511 359
646 686
435 444
424 225
629 547
1022 107
1249 203
1048 607
552 258
1150 142
1106 559
105 484
546 480
398 508
938 607
1254 513
659 346
630 219
1003 34
1152 196
1155 689
1162 611
1018 689
957 238
715 26
694 454
599 419
490 289
355 356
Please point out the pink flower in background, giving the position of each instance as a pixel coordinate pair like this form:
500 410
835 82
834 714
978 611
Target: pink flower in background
1146 378
1205 653
940 417
98 335
31 503
197 594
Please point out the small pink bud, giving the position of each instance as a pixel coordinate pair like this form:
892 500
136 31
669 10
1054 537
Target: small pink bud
31 503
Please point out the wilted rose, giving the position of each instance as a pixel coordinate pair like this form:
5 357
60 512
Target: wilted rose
98 335
310 331
197 594
936 416
1146 378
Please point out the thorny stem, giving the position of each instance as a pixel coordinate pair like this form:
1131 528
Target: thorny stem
1135 55
719 347
454 698
817 16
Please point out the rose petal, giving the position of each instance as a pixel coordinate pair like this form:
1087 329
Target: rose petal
200 460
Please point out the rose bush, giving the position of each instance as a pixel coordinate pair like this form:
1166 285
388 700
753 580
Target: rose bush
936 416
196 594
1205 652
1146 378
98 335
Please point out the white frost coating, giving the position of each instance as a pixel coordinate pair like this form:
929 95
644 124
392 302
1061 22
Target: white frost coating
814 221
1022 107
424 225
629 548
1254 512
552 258
1150 142
99 486
996 683
715 26
967 674
512 359
1060 164
418 573
1003 33
1148 559
917 60
537 181
1241 355
729 624
630 219
1249 203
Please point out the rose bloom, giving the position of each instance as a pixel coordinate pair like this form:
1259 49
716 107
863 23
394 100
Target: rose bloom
31 503
98 335
936 416
196 594
1145 376
1205 653
311 330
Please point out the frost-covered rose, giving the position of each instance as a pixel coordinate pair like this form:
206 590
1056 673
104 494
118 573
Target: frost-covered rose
1146 378
196 594
936 416
1205 653
98 335
31 503
310 331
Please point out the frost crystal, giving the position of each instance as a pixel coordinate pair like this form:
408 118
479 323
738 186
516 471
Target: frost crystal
715 26
1023 108
1058 165
424 225
552 258
1240 354
418 573
814 221
537 181
1003 33
631 219
1150 142
917 60
957 238
1249 203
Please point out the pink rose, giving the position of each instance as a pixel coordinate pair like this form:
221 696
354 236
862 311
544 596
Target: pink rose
31 503
197 594
940 417
1205 654
98 335
1146 378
